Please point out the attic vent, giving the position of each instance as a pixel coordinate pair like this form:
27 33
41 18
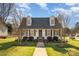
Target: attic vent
29 21
52 21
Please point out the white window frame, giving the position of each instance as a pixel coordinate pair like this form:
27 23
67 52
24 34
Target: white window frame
29 21
48 32
31 32
56 32
52 21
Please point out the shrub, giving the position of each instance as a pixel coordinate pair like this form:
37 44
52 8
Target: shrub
31 38
25 38
55 38
49 38
64 41
61 45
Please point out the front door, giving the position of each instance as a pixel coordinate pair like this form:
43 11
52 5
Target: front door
40 36
40 33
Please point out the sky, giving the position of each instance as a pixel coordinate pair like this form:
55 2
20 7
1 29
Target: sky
71 10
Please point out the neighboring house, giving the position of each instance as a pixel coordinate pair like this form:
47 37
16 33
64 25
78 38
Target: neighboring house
40 27
77 28
3 29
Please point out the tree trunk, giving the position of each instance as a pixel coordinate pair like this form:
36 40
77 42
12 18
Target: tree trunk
61 33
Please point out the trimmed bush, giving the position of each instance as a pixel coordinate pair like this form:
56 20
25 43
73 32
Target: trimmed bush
55 38
49 38
31 38
25 38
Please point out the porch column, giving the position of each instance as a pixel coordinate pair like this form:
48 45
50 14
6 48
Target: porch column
37 34
52 32
43 32
24 32
28 33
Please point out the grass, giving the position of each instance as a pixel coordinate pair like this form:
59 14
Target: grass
69 49
9 48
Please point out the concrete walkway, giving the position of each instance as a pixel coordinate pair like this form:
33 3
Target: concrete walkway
40 50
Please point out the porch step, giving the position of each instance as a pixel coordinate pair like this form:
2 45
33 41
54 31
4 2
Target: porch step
40 39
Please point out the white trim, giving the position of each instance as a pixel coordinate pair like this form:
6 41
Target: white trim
52 32
35 37
28 32
43 33
29 21
50 20
37 32
48 32
57 33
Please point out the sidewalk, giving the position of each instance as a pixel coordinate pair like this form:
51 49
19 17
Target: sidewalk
40 50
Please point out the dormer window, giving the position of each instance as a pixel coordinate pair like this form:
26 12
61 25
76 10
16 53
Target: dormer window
29 21
52 21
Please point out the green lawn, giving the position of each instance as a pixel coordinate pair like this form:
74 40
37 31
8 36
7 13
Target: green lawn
69 49
8 48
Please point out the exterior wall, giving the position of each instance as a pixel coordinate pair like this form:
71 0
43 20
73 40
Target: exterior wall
43 33
37 33
3 31
58 32
48 33
55 32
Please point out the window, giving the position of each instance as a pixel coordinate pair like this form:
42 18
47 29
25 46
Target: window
52 21
45 32
31 32
56 32
26 32
29 21
34 32
48 32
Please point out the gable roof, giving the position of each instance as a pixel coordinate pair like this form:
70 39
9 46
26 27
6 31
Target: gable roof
39 23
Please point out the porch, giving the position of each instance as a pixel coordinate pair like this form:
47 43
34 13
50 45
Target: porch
39 33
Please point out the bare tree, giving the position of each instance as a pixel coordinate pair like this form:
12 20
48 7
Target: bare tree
64 20
17 17
5 10
16 20
76 27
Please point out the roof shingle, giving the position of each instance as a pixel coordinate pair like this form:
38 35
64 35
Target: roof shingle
39 23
